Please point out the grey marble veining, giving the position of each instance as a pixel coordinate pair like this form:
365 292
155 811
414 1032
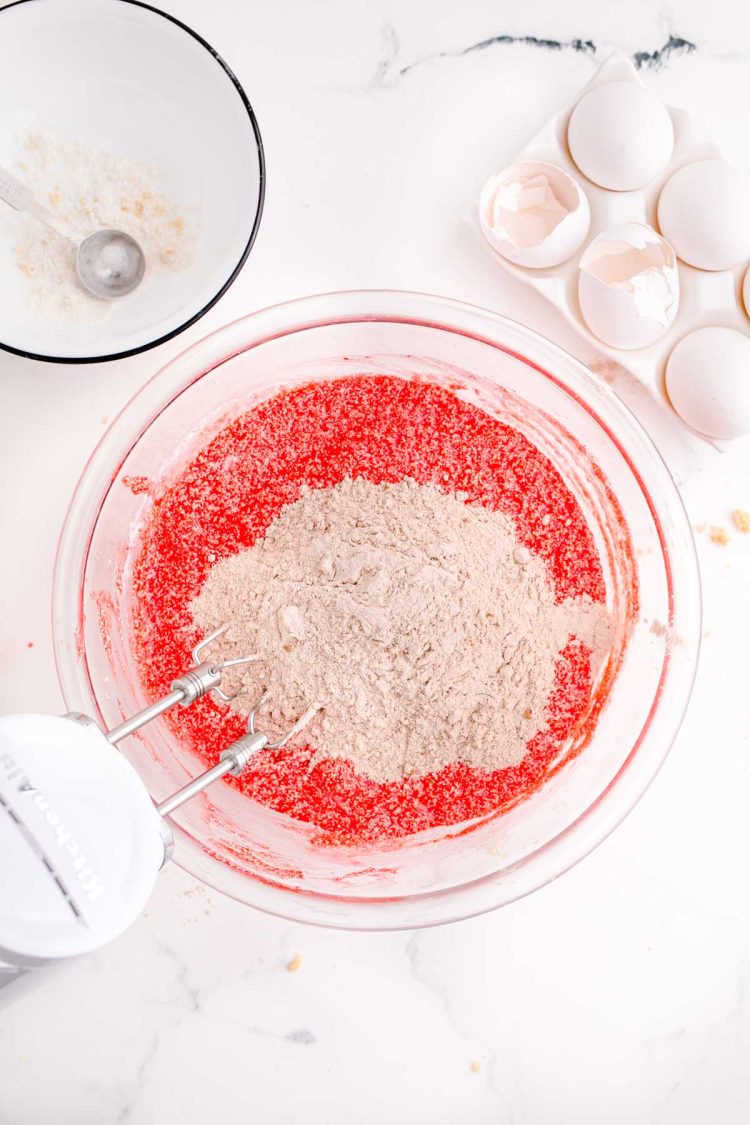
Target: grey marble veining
617 994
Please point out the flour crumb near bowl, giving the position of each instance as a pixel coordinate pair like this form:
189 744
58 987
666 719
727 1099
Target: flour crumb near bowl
718 533
664 632
88 189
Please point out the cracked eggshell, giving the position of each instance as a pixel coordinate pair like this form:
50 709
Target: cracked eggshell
708 381
628 286
566 234
704 211
620 135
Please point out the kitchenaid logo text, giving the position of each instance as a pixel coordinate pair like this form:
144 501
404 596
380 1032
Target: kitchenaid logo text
84 872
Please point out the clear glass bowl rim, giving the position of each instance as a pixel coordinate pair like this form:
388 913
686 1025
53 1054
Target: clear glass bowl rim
648 752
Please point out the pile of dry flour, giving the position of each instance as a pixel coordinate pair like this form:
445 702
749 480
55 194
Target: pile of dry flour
89 190
415 622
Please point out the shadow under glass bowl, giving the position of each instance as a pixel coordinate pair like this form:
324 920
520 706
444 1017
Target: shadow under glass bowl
263 858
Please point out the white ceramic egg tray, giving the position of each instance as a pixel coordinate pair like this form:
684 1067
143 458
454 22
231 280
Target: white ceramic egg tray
706 298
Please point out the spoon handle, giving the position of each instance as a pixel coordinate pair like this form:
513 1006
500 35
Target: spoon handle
17 195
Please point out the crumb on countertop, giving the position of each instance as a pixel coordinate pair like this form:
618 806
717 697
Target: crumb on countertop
475 1066
719 535
295 963
741 520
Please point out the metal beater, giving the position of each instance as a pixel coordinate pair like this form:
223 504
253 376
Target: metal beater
81 841
205 676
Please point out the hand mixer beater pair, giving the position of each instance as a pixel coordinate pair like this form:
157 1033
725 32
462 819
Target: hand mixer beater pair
81 842
203 677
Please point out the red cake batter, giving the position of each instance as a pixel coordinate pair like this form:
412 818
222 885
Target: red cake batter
383 429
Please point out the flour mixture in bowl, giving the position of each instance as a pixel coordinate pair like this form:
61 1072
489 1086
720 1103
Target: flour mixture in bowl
410 567
418 627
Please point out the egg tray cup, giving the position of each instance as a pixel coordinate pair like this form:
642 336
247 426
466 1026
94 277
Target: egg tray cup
707 298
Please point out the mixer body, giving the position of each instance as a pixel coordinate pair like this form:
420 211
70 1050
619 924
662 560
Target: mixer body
81 843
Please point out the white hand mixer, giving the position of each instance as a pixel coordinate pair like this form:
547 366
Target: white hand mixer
81 841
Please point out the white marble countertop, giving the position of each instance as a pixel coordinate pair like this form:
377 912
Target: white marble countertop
620 992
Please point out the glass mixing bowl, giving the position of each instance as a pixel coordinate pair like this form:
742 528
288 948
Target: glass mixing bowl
263 858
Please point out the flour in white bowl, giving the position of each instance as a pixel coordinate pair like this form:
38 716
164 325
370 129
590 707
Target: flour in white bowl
89 190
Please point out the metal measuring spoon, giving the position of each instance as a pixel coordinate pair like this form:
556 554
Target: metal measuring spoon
109 263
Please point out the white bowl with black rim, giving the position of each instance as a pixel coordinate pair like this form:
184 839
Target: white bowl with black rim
124 78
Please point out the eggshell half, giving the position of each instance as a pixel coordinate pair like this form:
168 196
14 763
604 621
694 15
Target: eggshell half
628 286
565 237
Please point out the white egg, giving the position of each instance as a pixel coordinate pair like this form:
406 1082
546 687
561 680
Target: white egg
534 214
708 381
628 286
704 211
746 291
620 135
